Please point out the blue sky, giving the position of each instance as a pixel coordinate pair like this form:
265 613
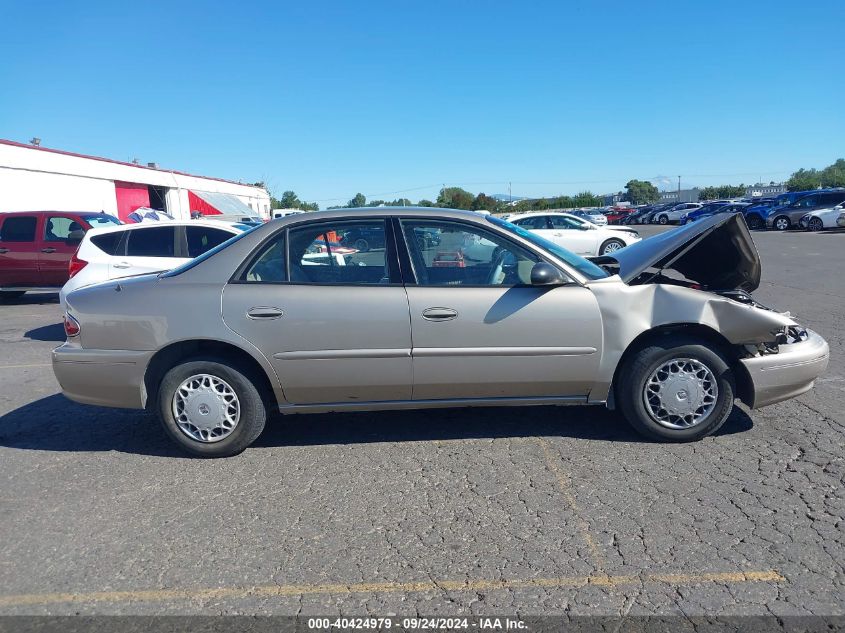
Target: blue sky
332 98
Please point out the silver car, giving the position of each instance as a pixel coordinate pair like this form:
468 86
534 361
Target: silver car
488 314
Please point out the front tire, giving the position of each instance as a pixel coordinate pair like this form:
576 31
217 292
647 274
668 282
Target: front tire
210 408
816 224
781 223
361 245
611 246
677 389
663 219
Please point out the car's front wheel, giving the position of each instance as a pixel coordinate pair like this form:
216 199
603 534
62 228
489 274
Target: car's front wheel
611 246
755 221
781 223
676 390
816 224
663 219
210 408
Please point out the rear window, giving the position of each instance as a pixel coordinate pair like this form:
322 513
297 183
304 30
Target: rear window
107 242
151 242
203 238
19 229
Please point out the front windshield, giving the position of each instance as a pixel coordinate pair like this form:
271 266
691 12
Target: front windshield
197 260
583 266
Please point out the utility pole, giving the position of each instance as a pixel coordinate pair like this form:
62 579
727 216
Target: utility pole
679 188
510 194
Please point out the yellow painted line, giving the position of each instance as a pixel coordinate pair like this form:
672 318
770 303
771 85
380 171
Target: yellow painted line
565 486
159 595
26 366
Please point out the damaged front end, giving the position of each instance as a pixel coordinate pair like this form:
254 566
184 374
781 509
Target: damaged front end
701 275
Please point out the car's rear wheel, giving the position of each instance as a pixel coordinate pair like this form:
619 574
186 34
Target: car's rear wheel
781 223
676 390
210 407
361 245
816 224
754 221
9 295
611 246
663 219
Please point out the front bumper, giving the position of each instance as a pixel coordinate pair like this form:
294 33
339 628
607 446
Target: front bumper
789 373
108 378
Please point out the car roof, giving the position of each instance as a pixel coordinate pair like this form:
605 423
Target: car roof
139 225
5 213
534 214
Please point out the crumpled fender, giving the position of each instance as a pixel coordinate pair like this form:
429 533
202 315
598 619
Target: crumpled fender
628 311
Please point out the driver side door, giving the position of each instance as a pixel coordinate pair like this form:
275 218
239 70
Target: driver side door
479 329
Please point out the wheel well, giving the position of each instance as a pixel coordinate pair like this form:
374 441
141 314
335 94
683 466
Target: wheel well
168 357
731 352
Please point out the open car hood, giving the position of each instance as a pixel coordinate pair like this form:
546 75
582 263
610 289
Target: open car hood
716 253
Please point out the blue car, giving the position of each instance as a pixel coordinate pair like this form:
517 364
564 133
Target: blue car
756 214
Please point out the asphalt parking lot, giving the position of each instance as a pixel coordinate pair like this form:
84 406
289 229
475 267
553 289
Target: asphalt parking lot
538 510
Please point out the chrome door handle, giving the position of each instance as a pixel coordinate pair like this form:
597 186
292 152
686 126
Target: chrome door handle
439 314
49 249
264 312
123 265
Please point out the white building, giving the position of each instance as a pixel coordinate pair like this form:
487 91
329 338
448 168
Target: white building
40 179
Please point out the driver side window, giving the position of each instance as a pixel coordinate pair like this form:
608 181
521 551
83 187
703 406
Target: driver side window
455 254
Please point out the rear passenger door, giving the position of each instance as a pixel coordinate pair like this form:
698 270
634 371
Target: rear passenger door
57 248
146 249
199 239
19 251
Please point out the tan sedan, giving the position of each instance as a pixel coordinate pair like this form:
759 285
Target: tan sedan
443 309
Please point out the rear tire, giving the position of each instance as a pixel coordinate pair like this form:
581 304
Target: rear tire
781 223
663 219
704 377
754 221
815 224
10 295
361 245
210 391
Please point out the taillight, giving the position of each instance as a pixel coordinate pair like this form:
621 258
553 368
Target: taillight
75 265
71 326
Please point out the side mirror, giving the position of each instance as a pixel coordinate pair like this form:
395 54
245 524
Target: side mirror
544 274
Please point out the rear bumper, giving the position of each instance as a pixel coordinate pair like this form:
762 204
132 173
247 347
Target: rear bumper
108 378
789 373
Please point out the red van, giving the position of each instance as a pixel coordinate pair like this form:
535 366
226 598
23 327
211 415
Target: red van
36 246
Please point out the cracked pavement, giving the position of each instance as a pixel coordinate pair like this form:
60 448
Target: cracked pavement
481 511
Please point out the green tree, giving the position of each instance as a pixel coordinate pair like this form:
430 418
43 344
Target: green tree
641 192
587 199
804 180
289 200
425 203
400 202
455 198
360 200
483 202
834 175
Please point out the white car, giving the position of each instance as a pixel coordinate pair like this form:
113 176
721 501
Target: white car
133 249
822 218
576 234
673 215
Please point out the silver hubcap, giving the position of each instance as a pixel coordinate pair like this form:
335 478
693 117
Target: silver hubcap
680 393
612 247
782 224
206 408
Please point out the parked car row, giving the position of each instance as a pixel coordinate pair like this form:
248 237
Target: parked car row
52 250
814 210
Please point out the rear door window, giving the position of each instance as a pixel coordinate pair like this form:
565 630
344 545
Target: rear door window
107 242
156 241
20 228
58 228
204 238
